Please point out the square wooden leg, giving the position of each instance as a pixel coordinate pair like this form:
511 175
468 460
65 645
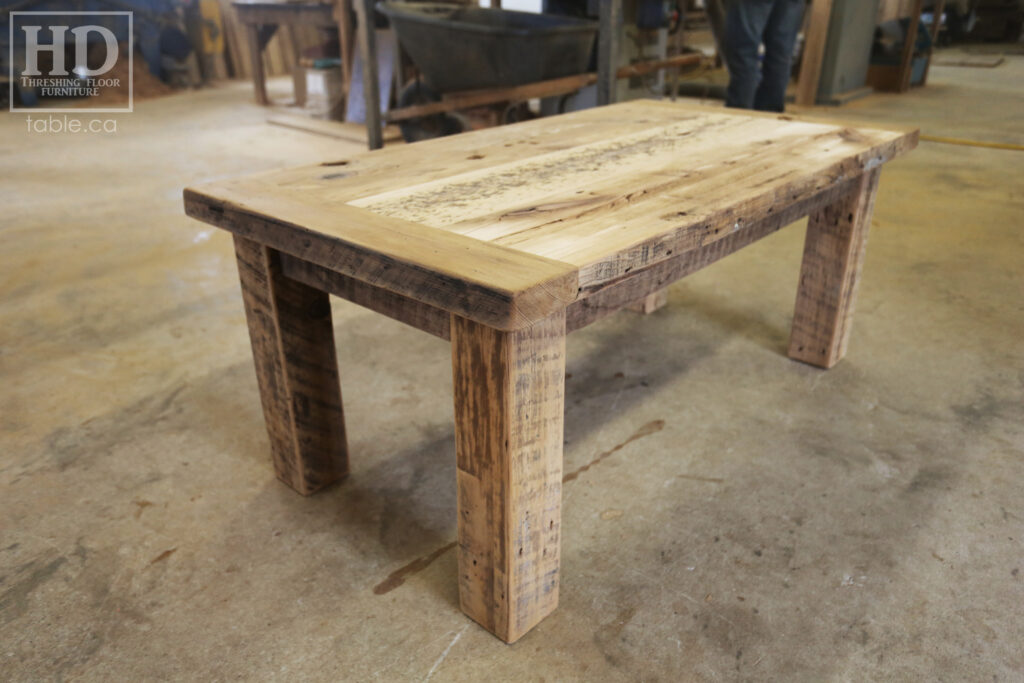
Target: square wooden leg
297 370
259 78
833 255
509 410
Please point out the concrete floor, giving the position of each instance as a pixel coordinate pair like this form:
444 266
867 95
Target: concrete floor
744 517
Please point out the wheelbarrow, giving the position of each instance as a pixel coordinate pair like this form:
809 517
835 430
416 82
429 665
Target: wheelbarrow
479 52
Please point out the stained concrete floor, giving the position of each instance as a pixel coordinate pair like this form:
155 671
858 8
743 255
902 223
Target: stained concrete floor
743 517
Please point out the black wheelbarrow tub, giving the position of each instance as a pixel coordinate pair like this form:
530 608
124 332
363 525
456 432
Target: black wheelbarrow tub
459 47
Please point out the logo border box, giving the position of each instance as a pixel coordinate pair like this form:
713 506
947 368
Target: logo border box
75 110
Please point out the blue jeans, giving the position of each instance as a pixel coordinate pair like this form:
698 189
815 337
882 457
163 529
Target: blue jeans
748 23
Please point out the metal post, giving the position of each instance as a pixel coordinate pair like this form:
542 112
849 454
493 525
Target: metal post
608 50
371 88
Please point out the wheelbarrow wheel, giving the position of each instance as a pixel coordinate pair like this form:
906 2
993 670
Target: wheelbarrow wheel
427 127
516 112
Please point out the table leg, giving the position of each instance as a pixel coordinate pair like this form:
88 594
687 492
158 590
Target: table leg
297 370
259 78
343 15
833 255
509 411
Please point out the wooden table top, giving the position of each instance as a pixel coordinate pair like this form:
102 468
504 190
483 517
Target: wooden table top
531 216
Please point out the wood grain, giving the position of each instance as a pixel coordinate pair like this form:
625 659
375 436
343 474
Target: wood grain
594 302
296 368
623 201
488 283
431 319
509 407
814 53
833 256
604 299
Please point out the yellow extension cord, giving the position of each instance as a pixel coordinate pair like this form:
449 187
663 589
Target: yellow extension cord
973 143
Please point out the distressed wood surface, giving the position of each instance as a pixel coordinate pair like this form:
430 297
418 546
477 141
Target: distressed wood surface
509 406
833 255
606 298
422 316
601 193
488 283
594 303
296 369
504 240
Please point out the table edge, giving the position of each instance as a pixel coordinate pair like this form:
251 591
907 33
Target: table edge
427 264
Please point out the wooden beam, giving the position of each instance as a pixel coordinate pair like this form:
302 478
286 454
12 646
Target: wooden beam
509 408
833 256
814 53
939 8
296 369
401 308
339 130
259 78
599 302
909 44
479 98
346 34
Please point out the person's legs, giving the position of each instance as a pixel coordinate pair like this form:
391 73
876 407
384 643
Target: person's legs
745 21
779 37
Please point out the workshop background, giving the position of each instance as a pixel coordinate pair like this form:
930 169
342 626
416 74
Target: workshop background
733 515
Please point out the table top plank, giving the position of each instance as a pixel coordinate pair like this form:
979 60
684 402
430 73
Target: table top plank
366 174
589 204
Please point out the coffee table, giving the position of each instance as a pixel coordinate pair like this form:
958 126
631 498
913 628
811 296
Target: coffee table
504 240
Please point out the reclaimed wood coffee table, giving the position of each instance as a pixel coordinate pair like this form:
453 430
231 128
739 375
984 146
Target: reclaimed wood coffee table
504 240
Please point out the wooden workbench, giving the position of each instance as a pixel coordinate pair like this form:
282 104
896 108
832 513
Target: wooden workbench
262 18
504 240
